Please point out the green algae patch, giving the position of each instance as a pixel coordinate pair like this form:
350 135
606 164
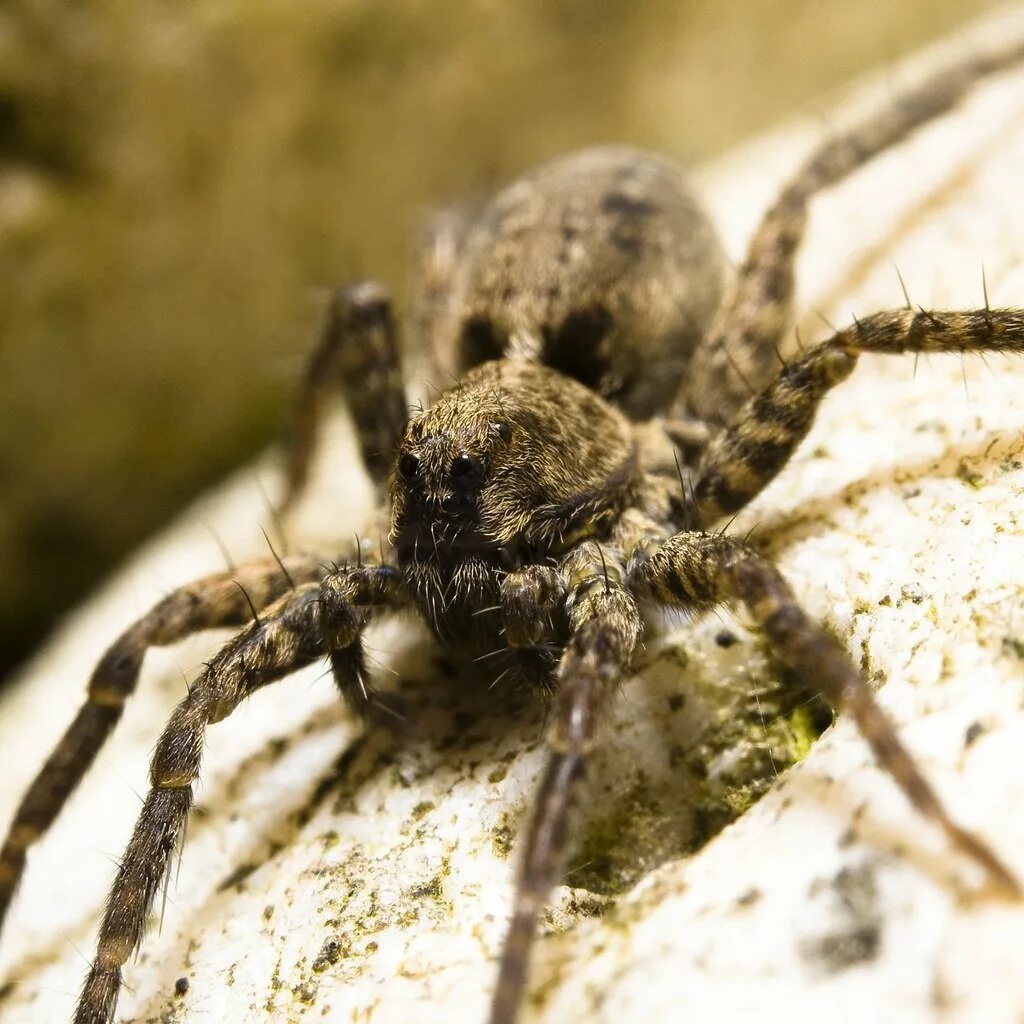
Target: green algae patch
747 734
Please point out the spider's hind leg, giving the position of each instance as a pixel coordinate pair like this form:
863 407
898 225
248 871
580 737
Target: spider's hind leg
740 354
358 353
696 571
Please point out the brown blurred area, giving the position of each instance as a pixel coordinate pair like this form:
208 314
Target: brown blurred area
177 182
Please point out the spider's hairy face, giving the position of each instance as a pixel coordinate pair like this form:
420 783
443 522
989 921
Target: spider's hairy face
515 457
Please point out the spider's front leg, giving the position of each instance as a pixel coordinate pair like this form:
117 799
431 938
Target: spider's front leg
222 599
604 625
696 571
313 620
747 456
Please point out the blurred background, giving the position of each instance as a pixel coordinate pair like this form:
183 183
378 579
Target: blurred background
178 182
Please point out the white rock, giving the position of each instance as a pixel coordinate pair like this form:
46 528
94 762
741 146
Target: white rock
329 877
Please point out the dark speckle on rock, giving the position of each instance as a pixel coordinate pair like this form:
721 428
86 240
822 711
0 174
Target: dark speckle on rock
837 951
1013 645
748 898
974 730
857 935
330 953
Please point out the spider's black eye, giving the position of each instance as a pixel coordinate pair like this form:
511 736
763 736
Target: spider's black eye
408 465
503 430
466 470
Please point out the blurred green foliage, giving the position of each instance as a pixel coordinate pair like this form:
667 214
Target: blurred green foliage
177 180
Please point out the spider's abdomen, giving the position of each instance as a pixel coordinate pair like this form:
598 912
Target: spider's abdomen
601 265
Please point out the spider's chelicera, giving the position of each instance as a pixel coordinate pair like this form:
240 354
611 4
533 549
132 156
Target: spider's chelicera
610 408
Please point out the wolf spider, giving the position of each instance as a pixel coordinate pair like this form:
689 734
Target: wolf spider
610 409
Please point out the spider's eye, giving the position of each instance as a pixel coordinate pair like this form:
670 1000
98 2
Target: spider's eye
408 466
503 430
466 470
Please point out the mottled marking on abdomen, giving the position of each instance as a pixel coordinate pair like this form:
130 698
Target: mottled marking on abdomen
601 265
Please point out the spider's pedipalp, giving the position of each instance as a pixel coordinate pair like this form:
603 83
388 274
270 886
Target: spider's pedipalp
711 568
605 626
532 599
222 599
358 354
746 457
348 596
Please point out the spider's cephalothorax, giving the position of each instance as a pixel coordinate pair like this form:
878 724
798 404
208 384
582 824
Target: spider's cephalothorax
509 468
537 505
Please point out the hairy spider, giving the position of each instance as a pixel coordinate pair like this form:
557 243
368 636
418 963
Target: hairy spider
610 409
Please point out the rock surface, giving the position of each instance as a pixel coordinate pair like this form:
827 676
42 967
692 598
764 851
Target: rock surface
335 875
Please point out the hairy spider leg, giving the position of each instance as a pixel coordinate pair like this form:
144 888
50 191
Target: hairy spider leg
315 619
699 570
358 353
750 453
605 625
222 599
739 355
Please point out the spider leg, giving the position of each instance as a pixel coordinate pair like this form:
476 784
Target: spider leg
604 627
697 571
222 599
741 351
748 455
313 620
358 350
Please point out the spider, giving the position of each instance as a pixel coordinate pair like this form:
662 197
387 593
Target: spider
611 408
